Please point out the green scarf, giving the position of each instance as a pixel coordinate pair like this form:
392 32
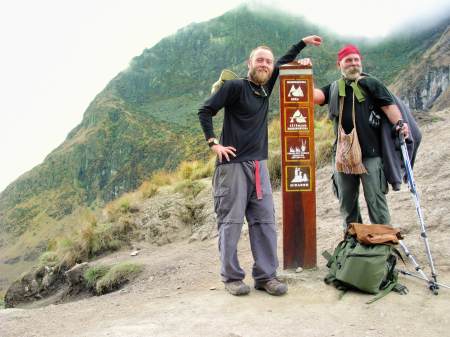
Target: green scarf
355 87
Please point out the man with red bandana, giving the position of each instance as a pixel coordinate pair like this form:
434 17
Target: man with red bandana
241 179
355 103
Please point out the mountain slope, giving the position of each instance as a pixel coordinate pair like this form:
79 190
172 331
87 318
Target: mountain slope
145 119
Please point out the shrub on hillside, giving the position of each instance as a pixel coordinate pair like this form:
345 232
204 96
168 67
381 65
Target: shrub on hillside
104 279
90 239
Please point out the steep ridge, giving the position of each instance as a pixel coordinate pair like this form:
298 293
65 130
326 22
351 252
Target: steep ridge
424 83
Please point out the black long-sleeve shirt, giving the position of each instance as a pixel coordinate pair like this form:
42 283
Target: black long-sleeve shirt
245 117
376 96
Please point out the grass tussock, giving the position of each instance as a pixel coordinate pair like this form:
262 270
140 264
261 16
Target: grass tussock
128 202
125 204
274 167
190 171
190 189
88 240
104 279
274 130
147 190
195 170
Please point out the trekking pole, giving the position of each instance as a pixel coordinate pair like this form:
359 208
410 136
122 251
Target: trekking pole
432 284
425 279
413 190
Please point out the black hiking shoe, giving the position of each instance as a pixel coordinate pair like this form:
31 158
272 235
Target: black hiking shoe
273 287
237 288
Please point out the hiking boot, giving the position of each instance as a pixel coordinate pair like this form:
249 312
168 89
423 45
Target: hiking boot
237 288
273 287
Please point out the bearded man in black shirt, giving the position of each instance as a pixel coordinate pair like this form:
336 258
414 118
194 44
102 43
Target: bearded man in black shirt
241 179
355 103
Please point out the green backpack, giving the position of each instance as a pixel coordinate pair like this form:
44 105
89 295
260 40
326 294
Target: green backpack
369 268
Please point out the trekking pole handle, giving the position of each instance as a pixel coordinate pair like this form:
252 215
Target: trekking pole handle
401 136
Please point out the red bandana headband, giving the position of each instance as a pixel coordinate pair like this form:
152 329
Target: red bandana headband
347 50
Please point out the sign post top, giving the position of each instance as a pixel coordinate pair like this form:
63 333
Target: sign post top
295 65
293 68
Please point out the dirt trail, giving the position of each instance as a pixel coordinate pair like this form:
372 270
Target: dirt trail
180 292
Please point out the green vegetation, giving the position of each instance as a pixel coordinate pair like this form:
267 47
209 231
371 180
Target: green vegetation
92 238
104 279
89 240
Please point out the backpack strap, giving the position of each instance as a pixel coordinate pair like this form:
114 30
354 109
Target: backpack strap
395 250
392 275
336 251
387 290
330 278
327 256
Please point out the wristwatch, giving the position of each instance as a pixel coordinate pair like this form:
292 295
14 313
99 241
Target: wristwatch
215 141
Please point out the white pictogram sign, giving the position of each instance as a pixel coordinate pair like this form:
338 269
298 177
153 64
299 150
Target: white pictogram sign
297 117
299 178
296 92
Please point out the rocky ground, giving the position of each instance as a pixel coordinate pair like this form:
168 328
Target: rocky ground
180 292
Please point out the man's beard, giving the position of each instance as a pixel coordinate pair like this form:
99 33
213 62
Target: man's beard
259 78
352 72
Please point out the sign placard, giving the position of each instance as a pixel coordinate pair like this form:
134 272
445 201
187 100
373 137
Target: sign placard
298 178
297 119
297 148
296 90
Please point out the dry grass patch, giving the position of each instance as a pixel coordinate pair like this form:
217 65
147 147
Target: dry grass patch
90 239
195 170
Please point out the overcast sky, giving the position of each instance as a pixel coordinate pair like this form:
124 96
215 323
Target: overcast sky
57 55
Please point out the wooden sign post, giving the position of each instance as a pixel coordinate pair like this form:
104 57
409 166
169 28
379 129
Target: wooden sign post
298 166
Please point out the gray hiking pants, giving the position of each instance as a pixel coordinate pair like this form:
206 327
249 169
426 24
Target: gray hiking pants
375 187
235 197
